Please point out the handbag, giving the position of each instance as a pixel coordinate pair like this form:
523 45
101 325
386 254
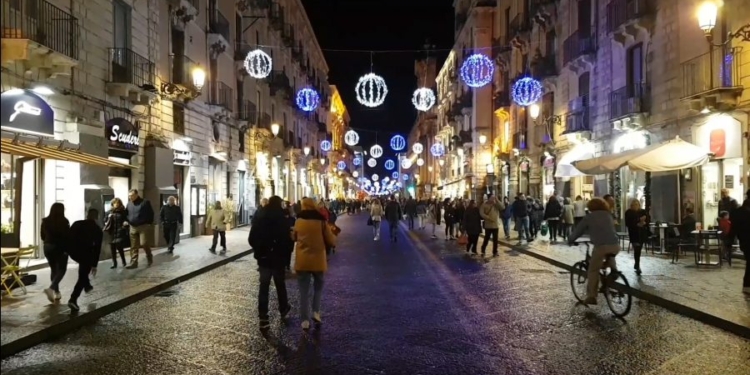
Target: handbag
463 240
544 229
369 221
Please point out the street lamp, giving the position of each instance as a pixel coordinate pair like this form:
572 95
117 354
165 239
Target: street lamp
534 110
482 139
306 150
322 161
441 162
199 77
275 129
707 13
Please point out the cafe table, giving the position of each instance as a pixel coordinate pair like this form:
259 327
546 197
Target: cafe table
704 245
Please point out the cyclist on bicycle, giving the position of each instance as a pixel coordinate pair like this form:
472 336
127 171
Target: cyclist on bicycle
600 227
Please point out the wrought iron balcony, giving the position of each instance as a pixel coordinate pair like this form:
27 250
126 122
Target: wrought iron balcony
578 118
218 24
126 66
40 22
277 17
264 122
248 112
544 67
714 74
298 54
578 44
241 49
629 100
279 84
221 95
182 70
623 12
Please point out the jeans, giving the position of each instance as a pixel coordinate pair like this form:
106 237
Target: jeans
58 264
448 229
303 279
554 226
115 248
506 227
420 220
533 228
490 232
171 232
223 235
523 228
411 221
598 256
376 228
393 229
266 274
83 281
566 228
471 246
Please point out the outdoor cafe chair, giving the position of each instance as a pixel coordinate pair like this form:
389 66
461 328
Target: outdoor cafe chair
12 268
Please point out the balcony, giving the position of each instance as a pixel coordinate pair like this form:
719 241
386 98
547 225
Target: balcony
501 48
501 99
277 17
627 18
712 80
287 35
544 67
628 106
279 85
183 12
298 55
264 122
218 32
241 49
41 35
543 12
131 76
220 96
579 52
248 112
180 85
578 119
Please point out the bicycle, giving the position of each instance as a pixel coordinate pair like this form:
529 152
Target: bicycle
616 295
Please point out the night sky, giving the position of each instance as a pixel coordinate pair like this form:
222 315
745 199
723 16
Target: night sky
380 25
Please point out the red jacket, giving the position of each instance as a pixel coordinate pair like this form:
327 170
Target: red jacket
726 226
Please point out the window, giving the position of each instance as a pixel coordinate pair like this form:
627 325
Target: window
583 84
178 118
584 17
257 37
121 24
241 139
634 69
550 43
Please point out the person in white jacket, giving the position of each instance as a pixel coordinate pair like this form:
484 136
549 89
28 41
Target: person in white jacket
217 222
579 210
376 214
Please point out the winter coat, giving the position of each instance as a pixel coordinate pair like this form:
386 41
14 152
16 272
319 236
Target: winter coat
421 209
567 216
472 222
376 212
86 245
636 233
118 234
140 212
449 214
520 208
553 210
170 214
271 240
580 208
491 214
217 220
312 235
392 211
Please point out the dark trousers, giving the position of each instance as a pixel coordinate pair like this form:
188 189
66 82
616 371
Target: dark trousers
487 234
448 229
506 227
746 250
471 246
115 248
637 247
83 281
411 221
171 231
223 235
58 264
276 274
533 228
554 229
393 228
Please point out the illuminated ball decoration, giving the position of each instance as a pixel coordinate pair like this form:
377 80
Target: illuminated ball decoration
341 165
375 177
477 70
423 99
325 145
372 163
405 163
258 64
420 162
398 143
357 161
437 150
405 177
527 91
351 138
371 90
307 99
355 174
389 164
376 151
386 179
394 175
417 148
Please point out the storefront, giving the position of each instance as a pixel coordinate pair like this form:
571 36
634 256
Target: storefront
721 135
570 181
181 162
548 175
122 139
628 184
243 194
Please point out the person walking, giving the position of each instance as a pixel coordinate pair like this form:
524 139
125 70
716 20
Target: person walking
449 214
410 209
740 218
171 220
490 212
140 222
376 215
553 213
636 222
55 235
86 248
216 221
393 215
521 217
312 237
568 218
421 212
506 216
270 238
458 217
115 226
579 210
435 212
472 224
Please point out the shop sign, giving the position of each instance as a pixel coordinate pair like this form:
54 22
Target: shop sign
721 135
24 111
182 157
121 134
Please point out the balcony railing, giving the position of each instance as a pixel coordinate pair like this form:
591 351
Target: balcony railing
280 84
621 11
578 117
241 49
220 94
264 122
218 24
41 22
298 54
248 112
544 67
182 70
628 100
715 70
126 66
520 23
577 45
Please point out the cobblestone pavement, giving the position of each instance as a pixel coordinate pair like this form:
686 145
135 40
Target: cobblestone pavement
418 306
27 314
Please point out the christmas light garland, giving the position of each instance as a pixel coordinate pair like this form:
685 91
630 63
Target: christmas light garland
398 143
389 164
307 99
372 163
371 90
437 150
423 99
376 151
417 148
325 145
477 70
527 91
351 138
258 64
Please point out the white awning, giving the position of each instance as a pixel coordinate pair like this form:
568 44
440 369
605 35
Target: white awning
565 166
663 157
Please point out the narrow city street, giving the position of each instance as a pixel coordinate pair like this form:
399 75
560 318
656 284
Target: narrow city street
418 306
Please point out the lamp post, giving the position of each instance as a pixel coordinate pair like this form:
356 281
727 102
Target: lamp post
707 13
199 77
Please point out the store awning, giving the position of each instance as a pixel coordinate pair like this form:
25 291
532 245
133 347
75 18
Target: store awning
663 157
565 166
44 151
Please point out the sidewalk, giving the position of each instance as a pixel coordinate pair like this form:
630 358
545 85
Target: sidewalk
27 320
710 294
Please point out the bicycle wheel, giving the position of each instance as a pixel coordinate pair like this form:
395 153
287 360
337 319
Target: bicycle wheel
578 280
618 297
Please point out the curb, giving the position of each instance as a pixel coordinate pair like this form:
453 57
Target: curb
77 321
672 306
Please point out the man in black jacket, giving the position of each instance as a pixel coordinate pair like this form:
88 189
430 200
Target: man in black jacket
393 215
521 217
171 220
740 218
410 208
86 247
140 221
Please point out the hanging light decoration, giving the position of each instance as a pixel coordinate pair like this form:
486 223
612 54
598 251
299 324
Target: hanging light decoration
375 177
437 150
351 138
355 174
527 91
307 99
423 99
394 175
405 163
420 162
371 90
372 163
417 148
405 177
477 70
398 143
357 161
376 151
341 165
389 164
325 145
386 179
258 64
